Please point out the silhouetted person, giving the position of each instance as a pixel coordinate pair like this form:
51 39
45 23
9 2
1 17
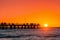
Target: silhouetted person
13 26
38 26
31 25
27 25
3 26
24 26
34 26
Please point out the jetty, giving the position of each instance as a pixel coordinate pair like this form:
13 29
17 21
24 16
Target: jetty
19 26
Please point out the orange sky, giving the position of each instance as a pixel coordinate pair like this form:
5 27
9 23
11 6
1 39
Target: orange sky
36 11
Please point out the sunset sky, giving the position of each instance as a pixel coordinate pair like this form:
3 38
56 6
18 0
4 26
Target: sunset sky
30 11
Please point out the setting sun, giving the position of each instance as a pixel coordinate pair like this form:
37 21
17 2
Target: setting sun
45 25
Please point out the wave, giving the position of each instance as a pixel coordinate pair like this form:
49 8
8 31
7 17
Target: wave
19 36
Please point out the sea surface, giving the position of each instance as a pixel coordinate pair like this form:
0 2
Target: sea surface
30 34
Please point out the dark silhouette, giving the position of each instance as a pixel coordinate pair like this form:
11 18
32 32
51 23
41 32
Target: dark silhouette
19 26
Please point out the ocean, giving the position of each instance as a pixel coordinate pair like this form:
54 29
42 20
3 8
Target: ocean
30 34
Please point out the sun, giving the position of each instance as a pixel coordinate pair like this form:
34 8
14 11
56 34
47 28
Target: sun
45 25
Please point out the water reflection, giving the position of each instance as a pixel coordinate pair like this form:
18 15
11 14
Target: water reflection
45 31
33 34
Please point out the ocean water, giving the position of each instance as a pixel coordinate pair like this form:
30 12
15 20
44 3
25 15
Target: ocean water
30 34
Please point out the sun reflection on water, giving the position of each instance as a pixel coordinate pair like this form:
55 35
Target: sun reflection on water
45 31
